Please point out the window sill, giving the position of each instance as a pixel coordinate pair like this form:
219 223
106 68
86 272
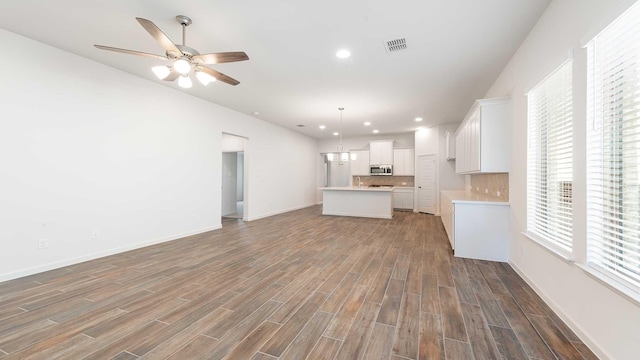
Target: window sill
549 247
611 283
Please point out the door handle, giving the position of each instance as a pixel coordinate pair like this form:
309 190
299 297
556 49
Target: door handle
419 187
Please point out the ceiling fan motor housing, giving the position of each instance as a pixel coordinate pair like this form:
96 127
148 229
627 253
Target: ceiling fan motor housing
183 20
187 51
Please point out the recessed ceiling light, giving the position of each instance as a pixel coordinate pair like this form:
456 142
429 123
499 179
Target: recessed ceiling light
256 113
375 131
336 133
418 119
322 127
343 53
367 123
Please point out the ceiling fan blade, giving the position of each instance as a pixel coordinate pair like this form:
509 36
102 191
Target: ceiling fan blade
172 75
220 76
223 57
131 52
159 36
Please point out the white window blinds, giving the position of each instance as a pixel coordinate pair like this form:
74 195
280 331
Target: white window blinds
613 150
550 159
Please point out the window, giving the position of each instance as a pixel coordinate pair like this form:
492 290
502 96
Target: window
550 161
613 150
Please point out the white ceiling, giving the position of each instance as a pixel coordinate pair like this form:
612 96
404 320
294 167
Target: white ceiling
456 49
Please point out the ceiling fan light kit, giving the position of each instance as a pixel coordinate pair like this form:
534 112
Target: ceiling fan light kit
184 82
186 60
204 78
182 65
161 71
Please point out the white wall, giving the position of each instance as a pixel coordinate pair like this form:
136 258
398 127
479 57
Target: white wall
605 320
362 142
87 149
232 143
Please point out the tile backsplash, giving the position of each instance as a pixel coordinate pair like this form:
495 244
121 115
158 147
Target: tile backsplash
384 180
494 183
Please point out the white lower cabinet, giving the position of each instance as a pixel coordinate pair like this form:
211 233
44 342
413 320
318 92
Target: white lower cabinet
403 198
477 226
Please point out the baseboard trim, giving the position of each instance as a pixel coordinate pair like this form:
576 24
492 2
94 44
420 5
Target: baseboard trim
72 261
572 325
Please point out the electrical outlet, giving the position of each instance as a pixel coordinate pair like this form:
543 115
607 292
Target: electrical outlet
43 244
95 234
404 183
486 191
498 193
477 188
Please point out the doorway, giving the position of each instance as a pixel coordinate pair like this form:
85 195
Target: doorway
427 184
234 184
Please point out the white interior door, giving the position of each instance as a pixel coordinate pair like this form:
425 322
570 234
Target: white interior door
427 184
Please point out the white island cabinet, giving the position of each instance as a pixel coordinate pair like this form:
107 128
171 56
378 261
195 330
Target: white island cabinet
477 225
357 201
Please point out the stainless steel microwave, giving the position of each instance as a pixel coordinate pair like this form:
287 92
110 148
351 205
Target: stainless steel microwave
381 170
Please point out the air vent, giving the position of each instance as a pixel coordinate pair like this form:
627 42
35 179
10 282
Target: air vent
396 45
300 125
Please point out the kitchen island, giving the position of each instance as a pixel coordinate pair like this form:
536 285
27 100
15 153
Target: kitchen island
371 202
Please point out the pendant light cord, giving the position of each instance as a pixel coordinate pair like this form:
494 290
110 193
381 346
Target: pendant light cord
341 146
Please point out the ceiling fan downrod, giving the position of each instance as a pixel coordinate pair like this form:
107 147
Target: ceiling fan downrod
184 21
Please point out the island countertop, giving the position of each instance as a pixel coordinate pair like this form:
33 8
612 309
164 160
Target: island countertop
356 188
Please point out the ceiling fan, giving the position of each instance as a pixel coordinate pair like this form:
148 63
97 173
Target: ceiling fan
185 60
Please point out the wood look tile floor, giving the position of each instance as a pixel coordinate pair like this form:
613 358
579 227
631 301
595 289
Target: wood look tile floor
293 286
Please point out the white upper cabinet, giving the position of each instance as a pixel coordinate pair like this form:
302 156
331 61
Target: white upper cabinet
482 140
359 162
450 146
404 162
381 152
